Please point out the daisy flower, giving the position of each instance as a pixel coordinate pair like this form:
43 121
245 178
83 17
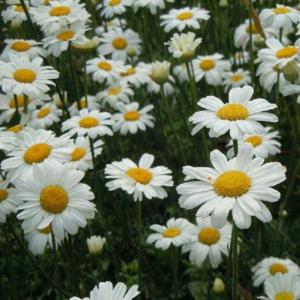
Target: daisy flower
240 116
282 287
152 5
20 46
117 92
112 8
117 43
181 73
239 185
8 140
53 194
236 78
103 69
183 18
264 144
271 266
184 46
139 179
116 22
280 17
45 116
277 53
15 14
208 241
92 103
92 123
240 58
60 41
35 147
24 76
106 290
81 156
211 67
39 239
131 118
8 201
177 232
135 76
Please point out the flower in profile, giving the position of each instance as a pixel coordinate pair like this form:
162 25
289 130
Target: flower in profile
240 116
282 287
54 194
95 244
176 232
184 45
139 179
207 240
112 8
90 102
8 201
15 14
160 72
183 18
239 185
91 123
132 119
24 76
271 266
152 5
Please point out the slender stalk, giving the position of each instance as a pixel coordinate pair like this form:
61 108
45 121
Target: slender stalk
139 242
93 154
251 43
209 283
56 274
175 271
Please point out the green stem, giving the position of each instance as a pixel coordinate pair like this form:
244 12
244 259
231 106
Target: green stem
139 242
93 153
209 283
250 7
56 274
175 272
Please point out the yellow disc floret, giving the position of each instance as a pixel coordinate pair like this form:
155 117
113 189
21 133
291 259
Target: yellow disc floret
278 268
88 122
20 46
3 195
140 175
233 112
37 153
78 153
131 115
44 112
209 236
254 140
59 11
185 16
287 52
119 43
24 75
171 232
284 296
54 199
207 64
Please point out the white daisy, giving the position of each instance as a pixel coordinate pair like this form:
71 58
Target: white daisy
176 232
8 140
211 67
81 156
112 8
35 147
236 78
53 194
152 5
264 144
117 43
92 123
184 18
240 116
8 201
92 103
271 266
139 179
103 69
21 46
132 119
239 185
207 240
15 14
135 76
181 73
23 76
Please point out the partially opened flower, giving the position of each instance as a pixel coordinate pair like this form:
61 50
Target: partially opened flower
112 8
240 116
139 179
239 185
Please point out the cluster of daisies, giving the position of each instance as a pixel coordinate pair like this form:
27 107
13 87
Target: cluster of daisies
51 135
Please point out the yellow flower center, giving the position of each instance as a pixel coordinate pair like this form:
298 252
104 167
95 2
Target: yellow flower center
140 175
236 78
24 75
20 101
252 29
232 184
131 115
88 122
278 268
20 46
171 232
233 112
281 10
43 112
114 91
16 128
185 16
114 2
3 195
284 296
19 8
254 140
207 64
130 71
209 236
54 199
104 66
37 153
119 43
65 35
59 11
45 230
287 52
78 153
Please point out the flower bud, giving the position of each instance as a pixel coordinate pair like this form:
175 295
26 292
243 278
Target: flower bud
160 72
284 214
259 41
219 286
95 244
223 3
291 71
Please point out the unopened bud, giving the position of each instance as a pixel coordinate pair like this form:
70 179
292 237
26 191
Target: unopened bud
259 41
291 71
223 3
284 214
95 244
160 72
219 286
